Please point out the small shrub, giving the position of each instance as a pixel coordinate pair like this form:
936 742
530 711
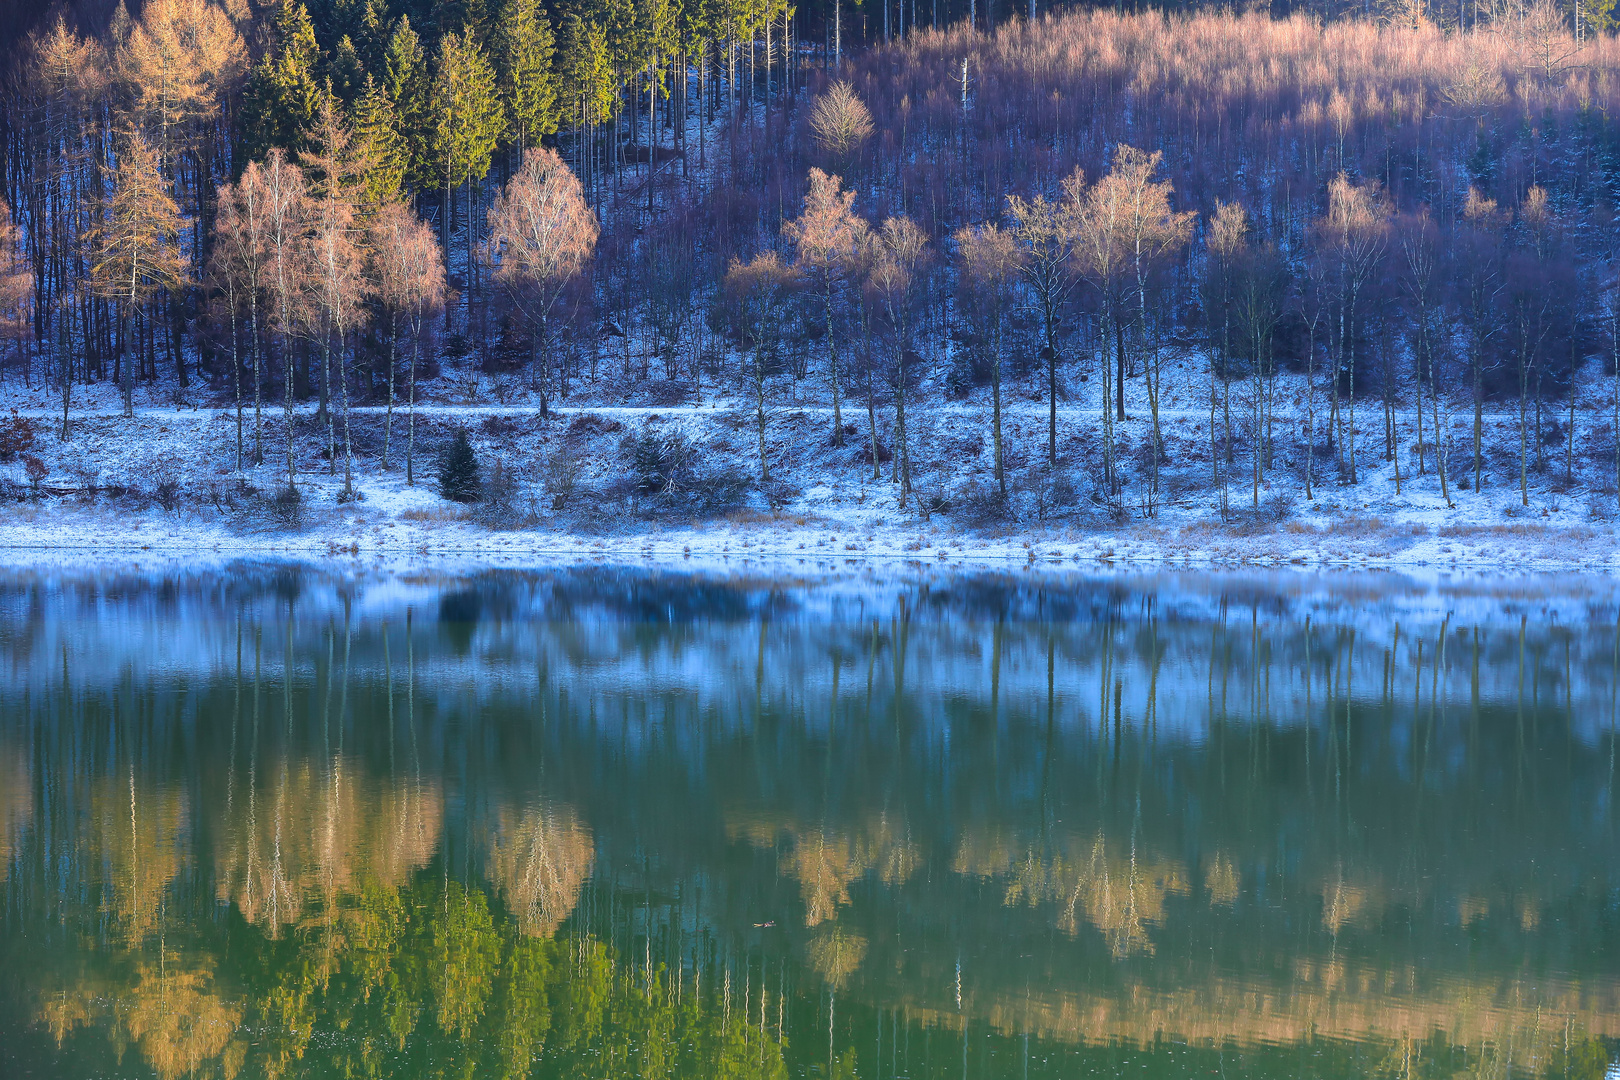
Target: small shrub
36 470
167 494
660 463
778 493
592 424
458 471
16 436
287 507
502 505
560 477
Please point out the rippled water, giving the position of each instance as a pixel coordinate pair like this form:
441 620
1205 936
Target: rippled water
277 821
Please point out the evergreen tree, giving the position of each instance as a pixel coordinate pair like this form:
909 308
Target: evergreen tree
346 72
380 147
282 95
466 116
408 88
528 83
458 471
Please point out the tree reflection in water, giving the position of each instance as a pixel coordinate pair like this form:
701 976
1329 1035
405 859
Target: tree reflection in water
285 822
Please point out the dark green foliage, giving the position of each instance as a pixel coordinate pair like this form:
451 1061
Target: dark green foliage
459 479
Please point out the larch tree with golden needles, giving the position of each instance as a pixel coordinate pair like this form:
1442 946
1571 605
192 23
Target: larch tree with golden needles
991 263
16 286
135 254
827 239
1048 231
407 270
541 234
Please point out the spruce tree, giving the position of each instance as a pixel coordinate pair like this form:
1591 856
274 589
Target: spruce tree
528 83
282 94
380 147
408 86
458 471
467 119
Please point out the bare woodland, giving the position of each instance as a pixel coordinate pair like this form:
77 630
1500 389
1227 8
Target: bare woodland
1233 257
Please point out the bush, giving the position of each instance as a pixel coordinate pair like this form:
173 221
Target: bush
502 505
560 477
16 436
660 464
287 507
458 471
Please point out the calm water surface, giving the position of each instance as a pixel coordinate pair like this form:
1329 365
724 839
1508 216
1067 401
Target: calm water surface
284 822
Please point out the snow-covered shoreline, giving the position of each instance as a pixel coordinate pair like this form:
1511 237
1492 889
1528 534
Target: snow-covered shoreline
834 512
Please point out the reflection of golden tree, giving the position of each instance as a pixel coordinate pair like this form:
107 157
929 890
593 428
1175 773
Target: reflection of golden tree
305 837
983 853
540 860
1345 902
16 802
825 862
1222 881
834 954
1121 896
824 866
169 1010
136 837
178 1022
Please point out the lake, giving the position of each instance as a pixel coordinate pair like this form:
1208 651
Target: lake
271 820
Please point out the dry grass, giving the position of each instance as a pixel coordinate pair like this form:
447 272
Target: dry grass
436 514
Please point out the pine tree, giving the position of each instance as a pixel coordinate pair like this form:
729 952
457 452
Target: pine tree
346 72
527 82
282 95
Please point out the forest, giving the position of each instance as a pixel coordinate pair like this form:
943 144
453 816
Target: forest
1253 253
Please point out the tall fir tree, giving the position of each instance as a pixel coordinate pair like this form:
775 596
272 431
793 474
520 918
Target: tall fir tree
528 81
409 87
379 146
282 94
467 119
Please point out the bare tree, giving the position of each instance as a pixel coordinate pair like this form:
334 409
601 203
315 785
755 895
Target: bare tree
332 304
541 233
287 226
841 121
757 290
1479 281
991 263
1048 232
828 238
1352 237
897 252
407 267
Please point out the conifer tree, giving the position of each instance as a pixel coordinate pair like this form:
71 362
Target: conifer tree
134 244
467 121
409 88
380 147
528 84
282 95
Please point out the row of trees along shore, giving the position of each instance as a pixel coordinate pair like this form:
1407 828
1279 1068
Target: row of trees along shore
1414 215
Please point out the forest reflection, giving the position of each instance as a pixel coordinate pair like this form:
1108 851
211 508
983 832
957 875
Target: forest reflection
284 822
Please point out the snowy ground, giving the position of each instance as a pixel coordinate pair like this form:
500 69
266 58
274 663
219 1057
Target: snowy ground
830 508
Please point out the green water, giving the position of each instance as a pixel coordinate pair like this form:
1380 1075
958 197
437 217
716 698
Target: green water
274 821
